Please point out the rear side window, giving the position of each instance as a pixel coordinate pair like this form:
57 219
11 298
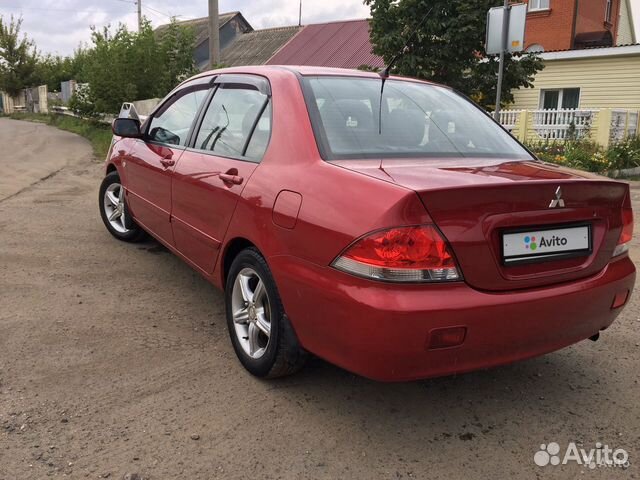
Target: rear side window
171 124
417 120
237 123
260 138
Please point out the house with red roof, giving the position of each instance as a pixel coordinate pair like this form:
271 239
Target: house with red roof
343 44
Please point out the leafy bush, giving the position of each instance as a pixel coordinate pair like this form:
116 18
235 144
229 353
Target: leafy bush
82 104
625 154
587 155
552 152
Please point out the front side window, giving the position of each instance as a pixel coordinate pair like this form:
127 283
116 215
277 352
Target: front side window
417 120
538 5
235 124
171 124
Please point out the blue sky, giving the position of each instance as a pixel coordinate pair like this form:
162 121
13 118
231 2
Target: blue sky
58 26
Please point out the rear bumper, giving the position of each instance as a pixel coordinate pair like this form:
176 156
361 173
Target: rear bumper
381 331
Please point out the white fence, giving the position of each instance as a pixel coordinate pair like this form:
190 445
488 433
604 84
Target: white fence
509 118
624 123
603 126
562 123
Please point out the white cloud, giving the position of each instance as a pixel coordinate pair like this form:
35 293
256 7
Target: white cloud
59 26
264 14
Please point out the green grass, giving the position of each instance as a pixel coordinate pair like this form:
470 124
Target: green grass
97 133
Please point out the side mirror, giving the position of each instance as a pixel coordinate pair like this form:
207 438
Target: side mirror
126 127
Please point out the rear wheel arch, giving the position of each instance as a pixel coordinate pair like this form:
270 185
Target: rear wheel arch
233 248
282 355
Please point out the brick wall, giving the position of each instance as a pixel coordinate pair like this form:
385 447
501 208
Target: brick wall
553 29
591 16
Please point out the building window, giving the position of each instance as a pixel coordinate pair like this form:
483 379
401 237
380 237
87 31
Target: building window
538 5
608 11
561 98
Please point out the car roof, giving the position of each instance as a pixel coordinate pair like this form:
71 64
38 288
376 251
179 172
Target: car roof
304 71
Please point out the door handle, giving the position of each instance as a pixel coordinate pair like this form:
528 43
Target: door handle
166 163
233 179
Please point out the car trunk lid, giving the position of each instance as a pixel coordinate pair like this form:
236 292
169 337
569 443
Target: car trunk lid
474 205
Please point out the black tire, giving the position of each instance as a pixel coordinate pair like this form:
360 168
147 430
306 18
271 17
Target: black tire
283 354
134 233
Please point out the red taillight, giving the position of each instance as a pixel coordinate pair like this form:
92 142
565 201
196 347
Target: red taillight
627 226
403 254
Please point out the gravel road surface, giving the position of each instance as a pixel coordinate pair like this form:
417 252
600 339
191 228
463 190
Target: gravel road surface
115 361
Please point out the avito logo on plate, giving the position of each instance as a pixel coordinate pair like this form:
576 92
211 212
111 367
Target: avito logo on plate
530 242
546 244
555 241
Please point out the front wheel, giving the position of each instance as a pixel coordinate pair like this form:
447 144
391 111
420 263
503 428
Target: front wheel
262 336
114 212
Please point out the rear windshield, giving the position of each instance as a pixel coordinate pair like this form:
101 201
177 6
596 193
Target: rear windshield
418 120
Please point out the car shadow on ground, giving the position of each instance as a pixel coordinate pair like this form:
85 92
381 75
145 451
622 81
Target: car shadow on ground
485 405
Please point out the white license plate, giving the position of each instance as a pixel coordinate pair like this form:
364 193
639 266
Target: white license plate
546 244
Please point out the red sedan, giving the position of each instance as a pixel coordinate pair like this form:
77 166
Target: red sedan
397 232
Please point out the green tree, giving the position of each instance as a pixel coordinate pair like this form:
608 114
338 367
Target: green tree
124 66
18 57
177 45
448 47
52 70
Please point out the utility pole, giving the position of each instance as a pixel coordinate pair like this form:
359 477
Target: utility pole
505 38
300 15
214 34
139 4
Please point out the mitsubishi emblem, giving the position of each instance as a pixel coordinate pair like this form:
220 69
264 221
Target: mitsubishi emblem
558 201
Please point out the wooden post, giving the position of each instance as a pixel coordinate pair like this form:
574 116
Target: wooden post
139 4
214 34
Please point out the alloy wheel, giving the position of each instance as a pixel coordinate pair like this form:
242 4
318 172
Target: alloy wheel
251 313
114 208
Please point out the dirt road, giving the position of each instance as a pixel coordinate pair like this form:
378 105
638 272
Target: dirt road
115 359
